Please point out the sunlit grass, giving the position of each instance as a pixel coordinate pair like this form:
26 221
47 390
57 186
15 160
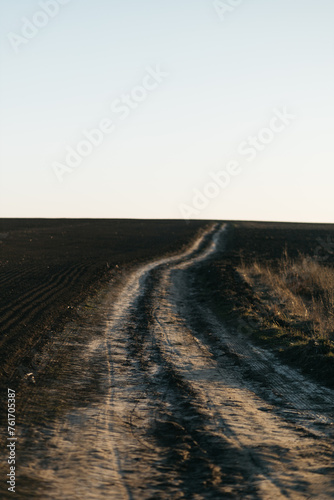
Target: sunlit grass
298 293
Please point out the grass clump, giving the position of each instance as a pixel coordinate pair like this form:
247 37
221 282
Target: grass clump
295 293
291 309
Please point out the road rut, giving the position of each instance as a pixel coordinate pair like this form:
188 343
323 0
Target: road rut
157 400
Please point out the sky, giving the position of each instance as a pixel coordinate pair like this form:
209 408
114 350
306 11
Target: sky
193 109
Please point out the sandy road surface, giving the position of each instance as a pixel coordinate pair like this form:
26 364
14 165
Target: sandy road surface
158 401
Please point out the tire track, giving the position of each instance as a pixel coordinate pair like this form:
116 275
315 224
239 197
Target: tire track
294 396
172 405
177 348
100 449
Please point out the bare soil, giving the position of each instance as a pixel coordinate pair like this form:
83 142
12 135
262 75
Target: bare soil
147 392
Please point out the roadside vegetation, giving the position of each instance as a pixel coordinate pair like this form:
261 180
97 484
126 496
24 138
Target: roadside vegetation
292 308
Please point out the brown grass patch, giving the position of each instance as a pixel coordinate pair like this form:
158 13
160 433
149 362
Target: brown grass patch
294 293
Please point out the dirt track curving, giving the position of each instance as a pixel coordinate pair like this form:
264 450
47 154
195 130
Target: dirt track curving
49 267
151 398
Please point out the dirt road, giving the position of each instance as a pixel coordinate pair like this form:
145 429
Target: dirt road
153 399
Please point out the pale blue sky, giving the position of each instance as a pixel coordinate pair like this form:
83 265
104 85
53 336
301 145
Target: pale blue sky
225 78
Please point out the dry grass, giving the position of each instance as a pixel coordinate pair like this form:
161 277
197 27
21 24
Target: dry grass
295 292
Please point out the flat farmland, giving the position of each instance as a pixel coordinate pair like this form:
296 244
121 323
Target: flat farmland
168 360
